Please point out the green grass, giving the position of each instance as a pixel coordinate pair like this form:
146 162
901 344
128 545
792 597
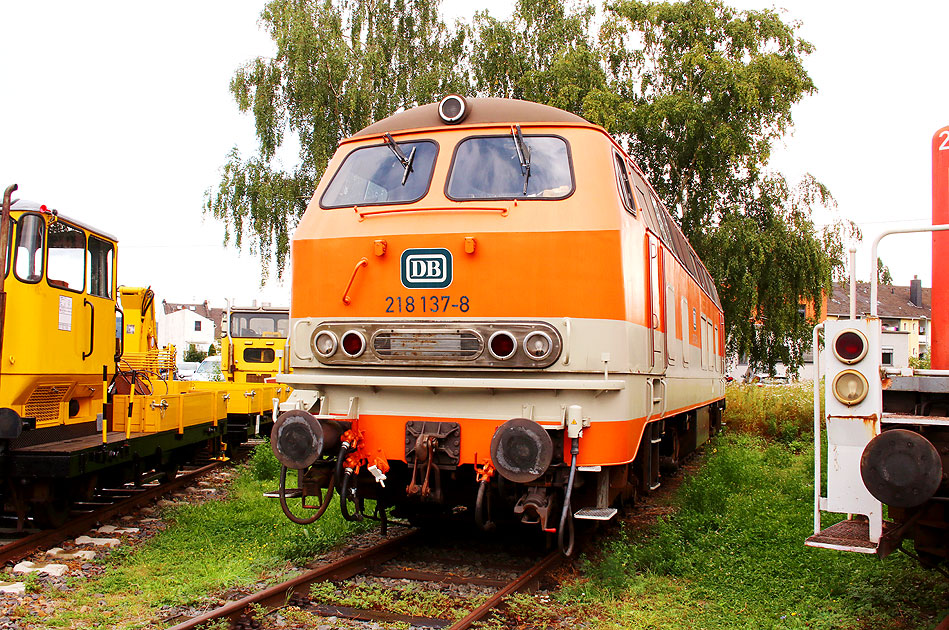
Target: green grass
208 548
784 413
733 556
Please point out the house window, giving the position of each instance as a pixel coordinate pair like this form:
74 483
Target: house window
887 358
197 326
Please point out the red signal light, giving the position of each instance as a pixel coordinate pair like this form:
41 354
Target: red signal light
353 343
850 346
502 345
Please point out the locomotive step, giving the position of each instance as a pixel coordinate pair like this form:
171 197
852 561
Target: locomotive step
595 514
847 535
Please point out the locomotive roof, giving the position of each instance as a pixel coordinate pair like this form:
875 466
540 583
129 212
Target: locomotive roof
26 206
480 111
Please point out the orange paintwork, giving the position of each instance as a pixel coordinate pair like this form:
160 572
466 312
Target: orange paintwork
940 292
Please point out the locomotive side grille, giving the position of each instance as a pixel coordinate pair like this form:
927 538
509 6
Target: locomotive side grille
43 403
408 345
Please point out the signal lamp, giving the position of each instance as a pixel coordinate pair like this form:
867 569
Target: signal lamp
452 109
325 343
502 345
850 387
537 345
850 346
354 344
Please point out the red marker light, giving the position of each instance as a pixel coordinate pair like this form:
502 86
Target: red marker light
850 346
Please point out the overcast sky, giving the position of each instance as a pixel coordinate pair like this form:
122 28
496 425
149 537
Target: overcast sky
118 114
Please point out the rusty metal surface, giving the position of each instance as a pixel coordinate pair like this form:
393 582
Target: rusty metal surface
279 594
522 582
15 551
944 625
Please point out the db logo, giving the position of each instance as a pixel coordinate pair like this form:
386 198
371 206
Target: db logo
426 268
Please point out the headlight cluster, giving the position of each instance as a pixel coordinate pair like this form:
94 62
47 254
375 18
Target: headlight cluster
487 344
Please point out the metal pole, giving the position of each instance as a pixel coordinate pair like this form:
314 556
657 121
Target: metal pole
817 424
873 258
853 282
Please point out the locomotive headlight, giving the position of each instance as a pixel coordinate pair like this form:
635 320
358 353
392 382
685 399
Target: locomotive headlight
325 343
537 345
850 346
850 387
502 345
353 343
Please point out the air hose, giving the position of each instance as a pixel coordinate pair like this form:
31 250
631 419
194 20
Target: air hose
565 514
282 492
344 498
483 500
340 461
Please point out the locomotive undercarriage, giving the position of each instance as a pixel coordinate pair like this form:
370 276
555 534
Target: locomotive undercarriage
527 480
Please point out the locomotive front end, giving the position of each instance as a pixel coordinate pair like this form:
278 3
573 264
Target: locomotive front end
460 314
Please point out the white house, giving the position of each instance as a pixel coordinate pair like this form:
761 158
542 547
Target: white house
183 327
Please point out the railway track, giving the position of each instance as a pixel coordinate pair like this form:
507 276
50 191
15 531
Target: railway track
110 503
387 560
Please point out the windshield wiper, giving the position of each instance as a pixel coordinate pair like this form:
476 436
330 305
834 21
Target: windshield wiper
523 154
405 161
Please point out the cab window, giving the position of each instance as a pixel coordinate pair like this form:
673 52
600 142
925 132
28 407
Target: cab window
259 355
100 261
512 166
394 172
66 260
31 230
622 181
259 325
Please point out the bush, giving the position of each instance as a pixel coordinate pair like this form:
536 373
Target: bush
263 465
194 355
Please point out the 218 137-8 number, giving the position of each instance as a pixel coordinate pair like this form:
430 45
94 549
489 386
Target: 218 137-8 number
426 304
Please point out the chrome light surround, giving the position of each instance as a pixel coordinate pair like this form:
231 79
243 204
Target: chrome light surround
527 345
362 343
502 333
325 334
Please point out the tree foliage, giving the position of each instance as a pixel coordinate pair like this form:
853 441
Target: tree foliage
697 92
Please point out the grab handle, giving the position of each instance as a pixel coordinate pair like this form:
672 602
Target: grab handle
362 263
92 328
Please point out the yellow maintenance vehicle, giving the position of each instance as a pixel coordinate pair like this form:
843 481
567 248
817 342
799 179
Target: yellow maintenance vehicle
254 343
87 399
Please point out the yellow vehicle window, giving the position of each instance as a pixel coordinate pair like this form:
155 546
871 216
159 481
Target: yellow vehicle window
66 261
100 257
259 325
29 248
259 355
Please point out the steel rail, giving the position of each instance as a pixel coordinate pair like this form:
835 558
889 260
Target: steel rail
280 594
17 550
520 583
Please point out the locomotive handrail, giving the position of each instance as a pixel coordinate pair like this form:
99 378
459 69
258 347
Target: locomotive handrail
453 383
362 214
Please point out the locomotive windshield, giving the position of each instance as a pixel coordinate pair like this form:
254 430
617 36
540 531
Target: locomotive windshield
511 166
382 174
259 324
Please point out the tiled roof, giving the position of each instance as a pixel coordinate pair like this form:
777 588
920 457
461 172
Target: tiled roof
893 301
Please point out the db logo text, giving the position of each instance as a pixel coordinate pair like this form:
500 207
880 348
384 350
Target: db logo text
426 268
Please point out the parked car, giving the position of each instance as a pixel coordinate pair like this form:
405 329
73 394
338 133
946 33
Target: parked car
209 370
185 369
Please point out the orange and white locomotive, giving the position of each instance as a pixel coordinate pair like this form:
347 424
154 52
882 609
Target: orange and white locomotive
492 309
